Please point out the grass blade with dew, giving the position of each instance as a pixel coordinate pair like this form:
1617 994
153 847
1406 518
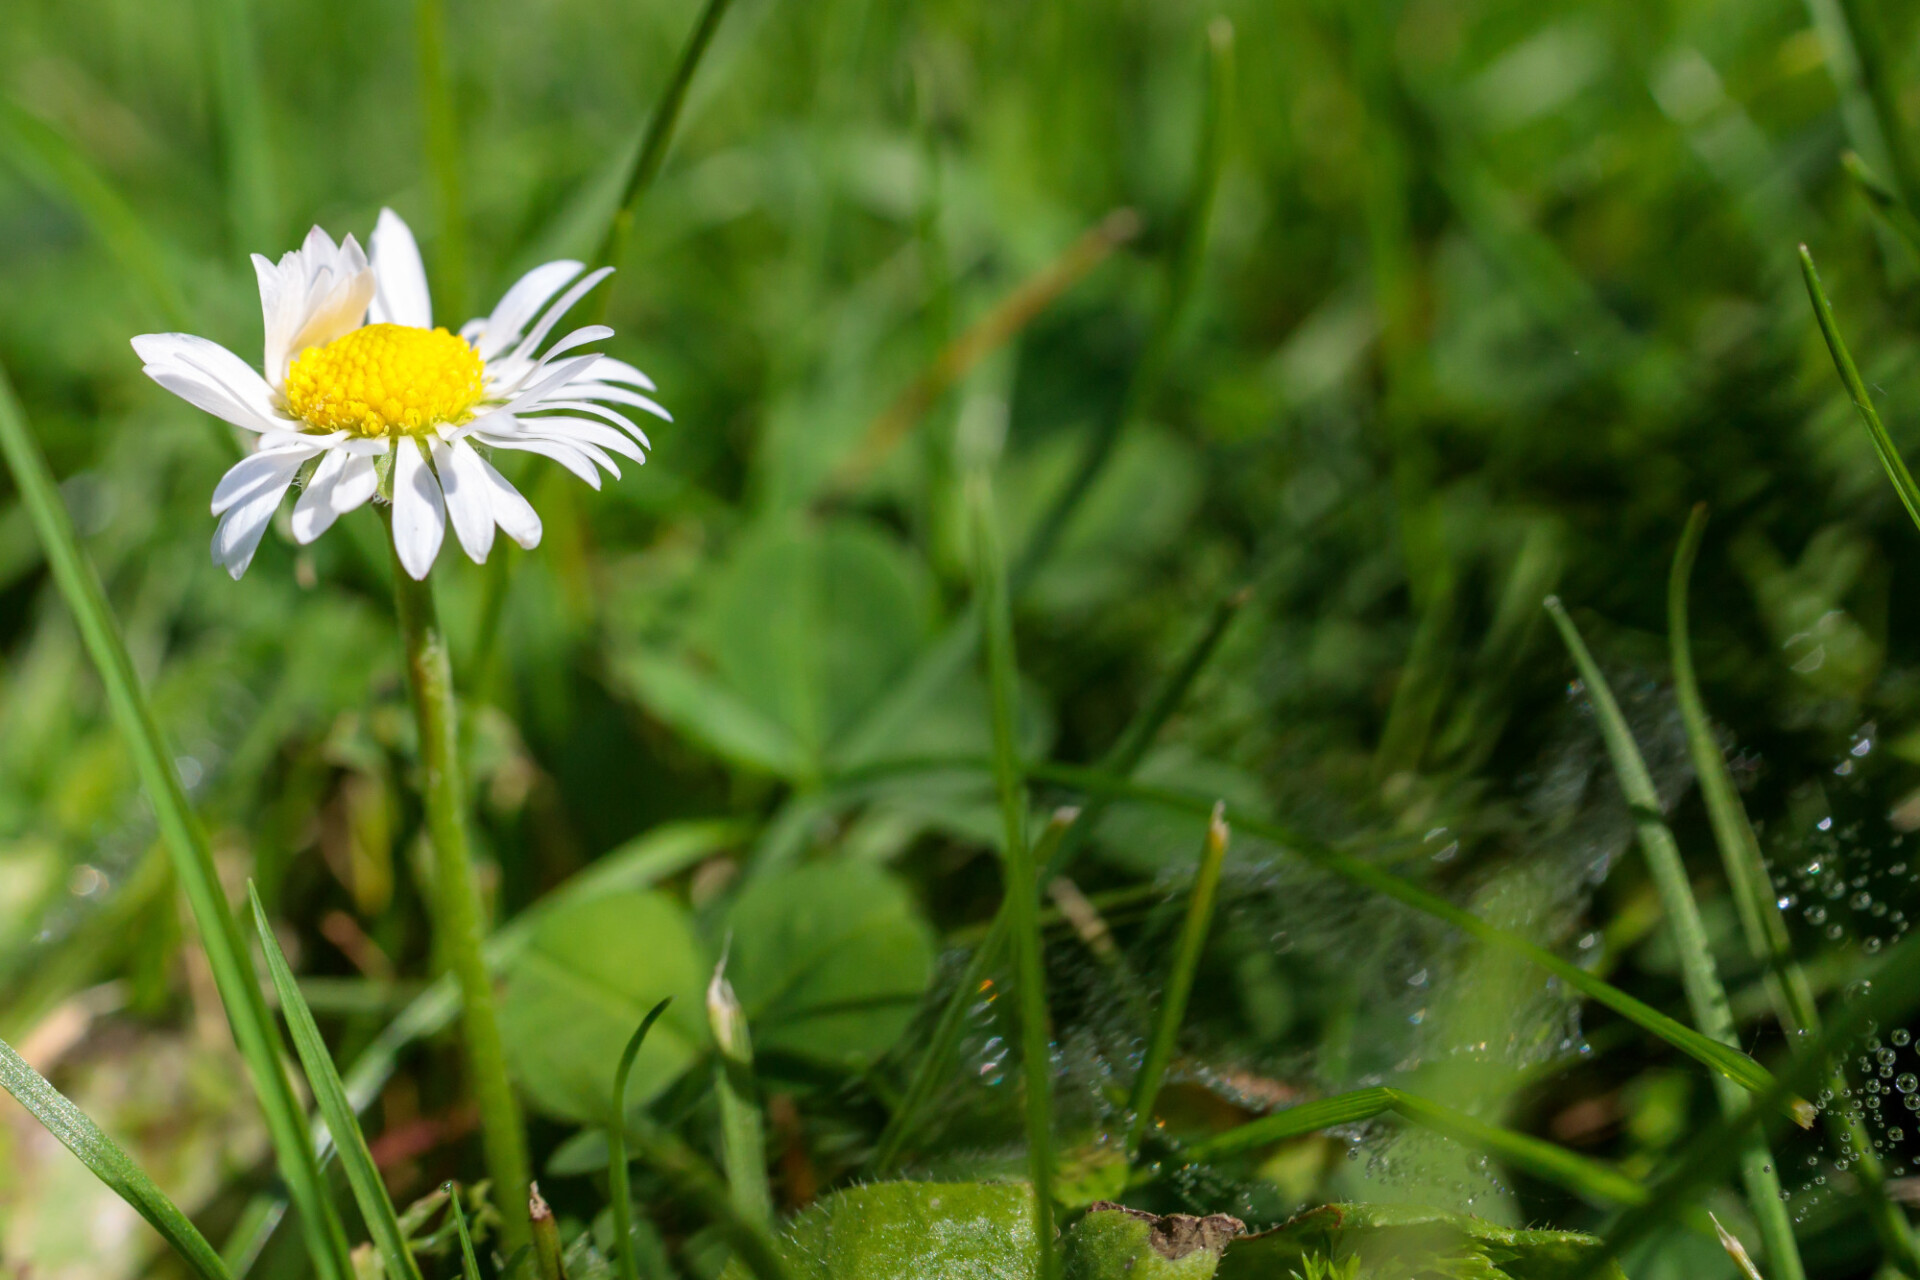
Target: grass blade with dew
1021 887
1055 852
1731 1063
180 830
619 1190
107 1162
1186 958
369 1191
1589 1179
1699 974
1189 258
743 1132
469 1265
1890 458
444 162
1889 994
246 152
1761 920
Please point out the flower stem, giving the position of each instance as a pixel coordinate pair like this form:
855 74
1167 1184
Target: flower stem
457 923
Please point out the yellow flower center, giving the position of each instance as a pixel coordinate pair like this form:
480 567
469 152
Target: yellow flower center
386 378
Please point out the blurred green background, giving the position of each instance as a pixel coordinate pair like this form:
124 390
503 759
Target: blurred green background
1492 293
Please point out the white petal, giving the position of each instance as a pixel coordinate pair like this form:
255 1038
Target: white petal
468 495
549 381
246 519
564 454
619 395
582 432
311 296
528 294
210 377
343 482
419 511
400 292
611 370
579 338
258 473
513 512
614 416
538 334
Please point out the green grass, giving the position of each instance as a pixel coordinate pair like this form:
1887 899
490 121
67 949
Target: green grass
1289 354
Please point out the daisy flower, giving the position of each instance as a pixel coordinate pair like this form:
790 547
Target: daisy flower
360 395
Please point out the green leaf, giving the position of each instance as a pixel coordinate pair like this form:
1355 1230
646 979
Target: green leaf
108 1162
839 981
1393 1242
927 1230
369 1189
588 974
811 626
712 714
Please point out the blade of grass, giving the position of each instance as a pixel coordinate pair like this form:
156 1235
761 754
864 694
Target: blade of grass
1736 1251
1591 1180
1731 1063
618 1188
1761 921
107 1162
743 1133
986 335
1878 82
646 166
1884 201
1857 388
1056 851
246 152
1699 975
54 164
443 157
153 759
250 1234
1186 958
549 1259
469 1265
1188 260
1888 995
659 135
1021 887
369 1191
